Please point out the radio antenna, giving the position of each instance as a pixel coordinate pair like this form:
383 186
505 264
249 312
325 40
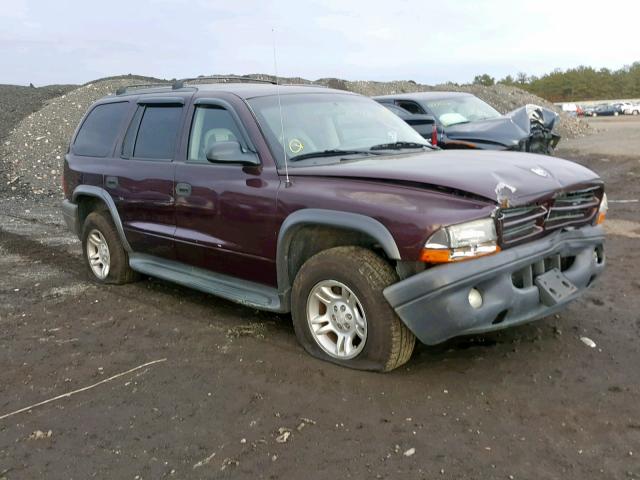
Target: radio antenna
284 149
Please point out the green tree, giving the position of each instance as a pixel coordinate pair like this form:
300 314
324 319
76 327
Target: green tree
484 79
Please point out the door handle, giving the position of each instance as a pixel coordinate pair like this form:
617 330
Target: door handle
183 189
111 182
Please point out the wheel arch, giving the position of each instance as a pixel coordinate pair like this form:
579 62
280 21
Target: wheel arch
309 231
88 197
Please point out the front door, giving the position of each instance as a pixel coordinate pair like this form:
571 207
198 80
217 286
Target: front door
140 179
225 212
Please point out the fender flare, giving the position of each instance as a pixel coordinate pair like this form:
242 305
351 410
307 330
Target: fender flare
330 218
102 194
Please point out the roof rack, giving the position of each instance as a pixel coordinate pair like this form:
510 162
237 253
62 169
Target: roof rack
180 83
123 90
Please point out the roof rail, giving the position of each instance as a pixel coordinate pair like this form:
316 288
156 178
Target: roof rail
303 85
222 79
123 90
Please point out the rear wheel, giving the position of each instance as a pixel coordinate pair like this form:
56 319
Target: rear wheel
340 315
104 255
635 112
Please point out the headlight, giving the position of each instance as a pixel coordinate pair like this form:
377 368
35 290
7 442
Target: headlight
604 208
461 242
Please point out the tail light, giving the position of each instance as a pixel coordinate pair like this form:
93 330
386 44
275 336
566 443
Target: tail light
434 136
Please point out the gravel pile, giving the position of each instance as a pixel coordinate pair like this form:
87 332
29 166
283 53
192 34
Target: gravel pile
31 155
16 102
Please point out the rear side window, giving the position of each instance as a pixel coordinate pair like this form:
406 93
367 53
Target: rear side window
99 130
411 107
158 132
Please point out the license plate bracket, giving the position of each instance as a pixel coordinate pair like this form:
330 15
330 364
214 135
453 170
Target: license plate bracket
554 287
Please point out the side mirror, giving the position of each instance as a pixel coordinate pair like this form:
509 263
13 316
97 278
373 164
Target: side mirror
231 152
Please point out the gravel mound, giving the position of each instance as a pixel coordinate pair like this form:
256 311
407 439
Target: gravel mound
31 155
16 102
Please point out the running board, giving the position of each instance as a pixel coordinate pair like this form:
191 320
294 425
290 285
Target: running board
240 291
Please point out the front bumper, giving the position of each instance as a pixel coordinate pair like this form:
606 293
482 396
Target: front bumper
434 304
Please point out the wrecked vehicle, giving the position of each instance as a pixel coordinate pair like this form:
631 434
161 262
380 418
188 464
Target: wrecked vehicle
324 204
463 121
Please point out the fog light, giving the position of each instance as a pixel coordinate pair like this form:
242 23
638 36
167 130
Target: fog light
475 298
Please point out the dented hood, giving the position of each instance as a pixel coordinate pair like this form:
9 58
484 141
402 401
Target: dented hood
518 178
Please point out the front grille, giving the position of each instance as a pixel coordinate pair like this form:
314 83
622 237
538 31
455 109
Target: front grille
519 224
575 208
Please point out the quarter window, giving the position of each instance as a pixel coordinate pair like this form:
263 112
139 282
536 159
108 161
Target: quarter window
157 133
99 130
211 124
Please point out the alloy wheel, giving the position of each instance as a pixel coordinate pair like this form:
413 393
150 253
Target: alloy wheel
336 319
98 254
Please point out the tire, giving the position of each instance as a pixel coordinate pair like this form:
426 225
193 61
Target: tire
387 342
615 114
594 114
635 112
98 228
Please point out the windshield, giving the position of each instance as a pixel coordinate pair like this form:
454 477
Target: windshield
463 109
314 123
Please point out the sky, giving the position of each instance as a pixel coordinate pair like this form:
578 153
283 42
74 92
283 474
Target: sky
76 41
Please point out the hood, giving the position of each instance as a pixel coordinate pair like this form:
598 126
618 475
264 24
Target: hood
507 178
500 130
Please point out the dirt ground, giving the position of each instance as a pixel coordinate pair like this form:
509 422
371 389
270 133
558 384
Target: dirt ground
532 402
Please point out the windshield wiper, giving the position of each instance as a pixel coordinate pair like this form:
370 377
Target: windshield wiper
329 153
398 145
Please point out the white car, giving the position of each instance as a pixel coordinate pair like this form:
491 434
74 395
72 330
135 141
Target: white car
631 108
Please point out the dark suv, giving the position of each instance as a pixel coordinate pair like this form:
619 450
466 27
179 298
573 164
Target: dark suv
325 204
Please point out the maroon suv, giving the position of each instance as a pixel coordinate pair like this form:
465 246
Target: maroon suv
325 204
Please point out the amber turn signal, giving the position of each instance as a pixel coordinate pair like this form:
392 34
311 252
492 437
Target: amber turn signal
441 255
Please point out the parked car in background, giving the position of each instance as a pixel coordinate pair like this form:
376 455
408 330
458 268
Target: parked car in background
570 109
322 203
606 110
463 121
631 109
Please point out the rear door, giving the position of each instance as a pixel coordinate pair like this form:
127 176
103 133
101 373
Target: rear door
225 213
141 177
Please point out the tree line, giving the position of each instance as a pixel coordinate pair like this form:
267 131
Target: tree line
575 84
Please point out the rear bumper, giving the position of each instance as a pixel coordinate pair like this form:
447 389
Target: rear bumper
70 214
434 304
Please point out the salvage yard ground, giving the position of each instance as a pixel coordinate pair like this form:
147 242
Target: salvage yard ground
238 398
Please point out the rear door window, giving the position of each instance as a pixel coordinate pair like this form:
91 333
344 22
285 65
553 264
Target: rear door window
411 107
98 132
158 132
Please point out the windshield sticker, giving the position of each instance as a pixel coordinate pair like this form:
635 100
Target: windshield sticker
295 145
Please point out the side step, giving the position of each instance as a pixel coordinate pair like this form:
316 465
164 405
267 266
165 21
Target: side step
240 291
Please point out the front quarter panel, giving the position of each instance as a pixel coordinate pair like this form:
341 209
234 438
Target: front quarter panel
410 213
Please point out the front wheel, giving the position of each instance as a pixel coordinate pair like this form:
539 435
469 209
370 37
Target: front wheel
340 315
